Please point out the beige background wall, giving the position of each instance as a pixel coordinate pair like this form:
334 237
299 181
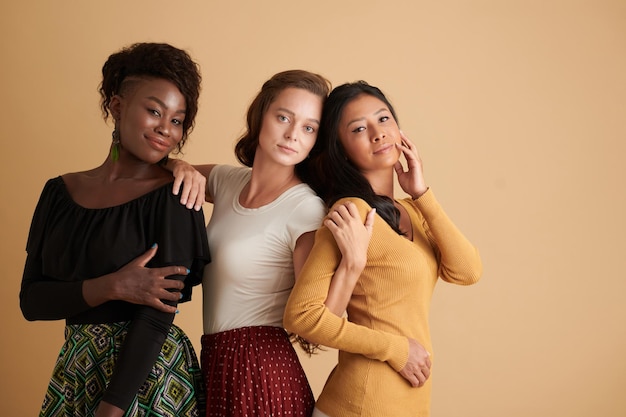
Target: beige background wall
518 108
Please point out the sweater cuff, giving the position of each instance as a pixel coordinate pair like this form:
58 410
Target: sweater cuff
427 201
399 353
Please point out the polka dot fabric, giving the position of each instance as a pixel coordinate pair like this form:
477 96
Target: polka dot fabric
254 371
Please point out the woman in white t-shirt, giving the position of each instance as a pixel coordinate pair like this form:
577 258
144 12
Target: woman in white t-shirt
260 233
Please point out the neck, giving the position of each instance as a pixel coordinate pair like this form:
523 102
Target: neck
127 168
381 182
266 185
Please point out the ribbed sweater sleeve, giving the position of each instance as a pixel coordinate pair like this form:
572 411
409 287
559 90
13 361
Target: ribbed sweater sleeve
459 260
307 316
391 299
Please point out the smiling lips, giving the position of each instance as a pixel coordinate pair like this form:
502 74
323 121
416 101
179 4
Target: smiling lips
158 144
384 148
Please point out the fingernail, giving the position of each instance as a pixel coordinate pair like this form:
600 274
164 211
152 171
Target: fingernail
177 312
188 271
153 245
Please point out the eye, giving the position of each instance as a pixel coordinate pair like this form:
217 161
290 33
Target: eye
177 122
383 119
282 118
358 129
154 112
309 129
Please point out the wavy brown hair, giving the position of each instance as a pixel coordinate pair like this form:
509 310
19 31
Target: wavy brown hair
248 142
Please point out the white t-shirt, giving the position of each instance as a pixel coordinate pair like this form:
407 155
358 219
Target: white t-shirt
251 273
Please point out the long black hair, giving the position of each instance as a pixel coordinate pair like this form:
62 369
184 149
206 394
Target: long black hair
335 176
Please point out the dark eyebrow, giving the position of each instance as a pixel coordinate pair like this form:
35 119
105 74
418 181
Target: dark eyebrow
363 118
153 98
293 114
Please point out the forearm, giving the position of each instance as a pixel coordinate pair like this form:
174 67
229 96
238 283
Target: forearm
42 298
460 261
342 286
319 325
307 315
146 334
99 290
142 346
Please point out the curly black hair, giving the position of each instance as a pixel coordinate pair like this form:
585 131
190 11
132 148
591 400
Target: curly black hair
153 60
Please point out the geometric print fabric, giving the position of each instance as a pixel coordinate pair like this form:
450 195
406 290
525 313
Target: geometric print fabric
174 387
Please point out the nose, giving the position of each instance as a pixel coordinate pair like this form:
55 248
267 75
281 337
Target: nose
378 135
290 133
163 128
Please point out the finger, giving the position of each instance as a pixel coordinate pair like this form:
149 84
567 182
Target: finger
176 186
187 198
144 258
351 209
172 296
398 168
171 285
167 271
339 215
421 378
331 225
428 362
369 220
165 308
408 152
345 210
406 141
200 195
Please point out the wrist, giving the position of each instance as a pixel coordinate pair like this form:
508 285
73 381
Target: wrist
352 268
170 164
419 193
98 290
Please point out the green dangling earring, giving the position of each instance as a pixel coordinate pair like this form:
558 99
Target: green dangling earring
115 147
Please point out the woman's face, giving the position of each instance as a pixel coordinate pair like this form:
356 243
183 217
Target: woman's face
149 118
369 134
289 127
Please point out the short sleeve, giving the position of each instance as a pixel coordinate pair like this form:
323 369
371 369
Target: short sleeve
306 217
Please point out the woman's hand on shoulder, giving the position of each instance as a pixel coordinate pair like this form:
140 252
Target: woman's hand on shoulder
193 183
417 368
412 180
351 234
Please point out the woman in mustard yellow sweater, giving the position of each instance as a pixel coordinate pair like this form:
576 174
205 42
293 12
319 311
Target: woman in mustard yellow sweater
384 342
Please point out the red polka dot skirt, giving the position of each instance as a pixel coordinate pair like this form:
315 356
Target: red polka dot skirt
254 371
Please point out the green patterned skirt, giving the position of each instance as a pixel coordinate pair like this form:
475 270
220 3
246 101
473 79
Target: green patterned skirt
173 388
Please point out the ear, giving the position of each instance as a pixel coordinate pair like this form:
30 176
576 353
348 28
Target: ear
115 107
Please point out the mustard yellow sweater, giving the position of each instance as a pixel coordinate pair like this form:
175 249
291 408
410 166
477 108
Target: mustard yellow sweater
389 304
